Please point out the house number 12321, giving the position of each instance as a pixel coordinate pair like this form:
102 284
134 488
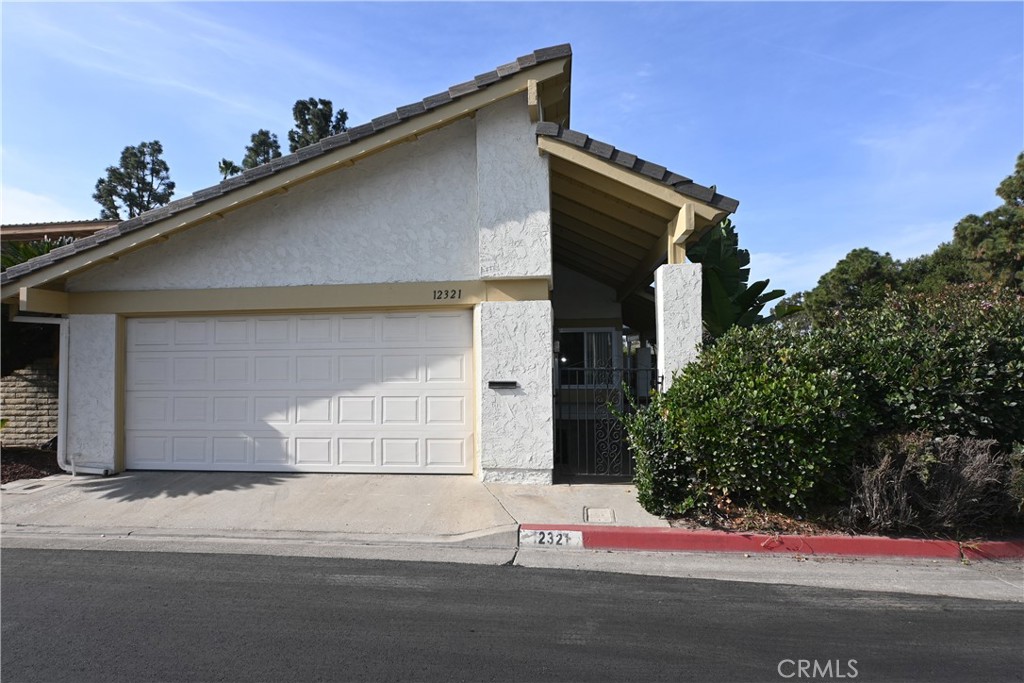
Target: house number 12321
440 294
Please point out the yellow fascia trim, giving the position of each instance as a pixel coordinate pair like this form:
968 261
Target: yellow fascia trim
307 298
631 179
31 300
280 181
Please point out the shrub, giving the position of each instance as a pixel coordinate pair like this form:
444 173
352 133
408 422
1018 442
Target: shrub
753 421
771 416
949 364
950 485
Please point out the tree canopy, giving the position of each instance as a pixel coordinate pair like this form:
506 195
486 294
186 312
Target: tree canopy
985 249
139 183
314 120
263 148
994 241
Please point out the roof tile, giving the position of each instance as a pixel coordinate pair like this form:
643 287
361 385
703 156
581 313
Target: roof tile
624 158
574 138
285 162
553 52
651 170
598 148
386 120
333 142
207 193
463 89
410 110
258 172
309 151
527 61
508 69
360 132
680 184
437 100
485 79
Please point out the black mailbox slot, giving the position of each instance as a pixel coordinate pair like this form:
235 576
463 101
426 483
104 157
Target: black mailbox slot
502 384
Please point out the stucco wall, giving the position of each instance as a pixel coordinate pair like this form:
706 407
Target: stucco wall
515 425
92 343
577 297
407 214
677 302
513 194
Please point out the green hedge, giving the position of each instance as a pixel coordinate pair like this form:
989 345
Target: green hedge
774 417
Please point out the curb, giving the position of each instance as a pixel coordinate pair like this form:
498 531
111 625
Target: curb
686 540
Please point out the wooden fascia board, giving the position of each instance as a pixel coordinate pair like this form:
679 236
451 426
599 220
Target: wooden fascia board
280 181
31 300
304 297
632 186
533 100
611 171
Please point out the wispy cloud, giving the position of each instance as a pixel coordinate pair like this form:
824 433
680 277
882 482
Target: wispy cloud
22 206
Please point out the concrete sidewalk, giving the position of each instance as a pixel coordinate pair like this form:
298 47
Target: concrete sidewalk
423 518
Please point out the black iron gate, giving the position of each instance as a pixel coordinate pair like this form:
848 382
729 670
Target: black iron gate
589 439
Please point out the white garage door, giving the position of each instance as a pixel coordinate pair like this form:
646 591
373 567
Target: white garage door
361 392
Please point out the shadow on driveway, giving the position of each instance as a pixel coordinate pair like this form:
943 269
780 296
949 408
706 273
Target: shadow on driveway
129 486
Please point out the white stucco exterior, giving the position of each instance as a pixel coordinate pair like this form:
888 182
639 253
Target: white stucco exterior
515 425
91 419
467 202
513 194
407 214
678 306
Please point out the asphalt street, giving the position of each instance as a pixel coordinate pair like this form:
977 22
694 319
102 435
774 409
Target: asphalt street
123 616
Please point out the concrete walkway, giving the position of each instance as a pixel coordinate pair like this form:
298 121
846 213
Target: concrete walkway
423 518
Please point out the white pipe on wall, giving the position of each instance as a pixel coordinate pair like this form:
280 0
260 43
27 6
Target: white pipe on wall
62 394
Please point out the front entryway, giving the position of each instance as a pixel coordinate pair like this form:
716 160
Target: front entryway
589 438
353 392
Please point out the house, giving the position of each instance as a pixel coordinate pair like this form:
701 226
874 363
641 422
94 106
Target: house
396 298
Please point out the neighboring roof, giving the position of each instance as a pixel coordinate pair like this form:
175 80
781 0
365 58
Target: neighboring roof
23 232
328 144
603 150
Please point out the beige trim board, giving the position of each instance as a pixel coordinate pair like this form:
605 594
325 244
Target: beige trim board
42 300
280 182
632 186
307 298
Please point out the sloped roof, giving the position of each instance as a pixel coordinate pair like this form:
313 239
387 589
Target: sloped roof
603 150
328 144
17 232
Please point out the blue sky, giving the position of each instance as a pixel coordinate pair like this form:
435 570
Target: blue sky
836 125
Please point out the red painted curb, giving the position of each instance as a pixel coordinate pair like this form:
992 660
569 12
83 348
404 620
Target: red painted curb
657 538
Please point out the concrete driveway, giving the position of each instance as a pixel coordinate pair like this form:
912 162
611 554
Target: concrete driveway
378 509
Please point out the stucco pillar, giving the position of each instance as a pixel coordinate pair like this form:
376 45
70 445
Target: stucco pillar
92 391
515 423
678 310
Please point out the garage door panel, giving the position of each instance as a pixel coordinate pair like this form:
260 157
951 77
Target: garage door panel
334 393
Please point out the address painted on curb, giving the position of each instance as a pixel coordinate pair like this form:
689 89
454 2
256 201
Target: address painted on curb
553 538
